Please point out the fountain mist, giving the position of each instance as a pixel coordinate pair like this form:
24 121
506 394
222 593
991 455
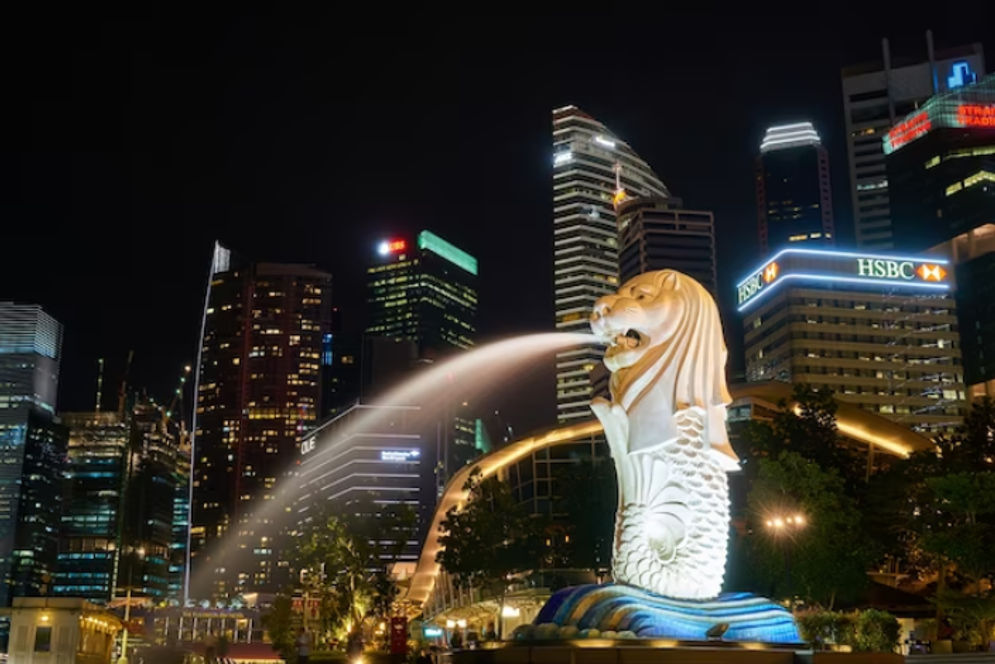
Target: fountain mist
473 373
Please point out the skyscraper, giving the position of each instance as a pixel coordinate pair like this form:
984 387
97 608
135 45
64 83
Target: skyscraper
370 459
656 234
877 330
258 388
941 171
422 298
589 162
424 291
875 95
794 195
94 494
122 484
32 449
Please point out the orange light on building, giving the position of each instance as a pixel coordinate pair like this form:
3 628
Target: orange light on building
929 272
770 273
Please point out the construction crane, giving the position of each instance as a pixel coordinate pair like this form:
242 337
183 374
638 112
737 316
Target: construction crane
167 413
123 392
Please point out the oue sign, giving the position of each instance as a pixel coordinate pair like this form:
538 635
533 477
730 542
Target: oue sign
307 445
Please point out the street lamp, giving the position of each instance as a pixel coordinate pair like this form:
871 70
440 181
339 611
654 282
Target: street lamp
783 525
779 523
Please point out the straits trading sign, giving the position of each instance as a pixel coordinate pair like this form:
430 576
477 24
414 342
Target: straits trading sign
844 268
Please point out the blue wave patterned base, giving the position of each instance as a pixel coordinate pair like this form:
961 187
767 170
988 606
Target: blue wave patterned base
620 608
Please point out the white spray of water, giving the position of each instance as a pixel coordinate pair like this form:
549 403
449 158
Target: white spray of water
478 371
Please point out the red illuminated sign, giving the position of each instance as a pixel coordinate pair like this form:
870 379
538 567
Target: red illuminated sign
391 247
976 115
770 273
909 130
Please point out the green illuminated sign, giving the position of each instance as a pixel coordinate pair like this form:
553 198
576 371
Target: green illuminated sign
452 253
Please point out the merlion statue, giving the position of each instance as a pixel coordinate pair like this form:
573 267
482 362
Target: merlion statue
665 427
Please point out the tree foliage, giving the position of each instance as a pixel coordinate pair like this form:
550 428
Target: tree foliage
825 559
589 499
864 631
939 505
808 430
280 623
344 563
489 538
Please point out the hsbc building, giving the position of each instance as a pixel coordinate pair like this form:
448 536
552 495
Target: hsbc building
877 330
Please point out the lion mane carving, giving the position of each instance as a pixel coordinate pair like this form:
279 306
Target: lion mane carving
665 426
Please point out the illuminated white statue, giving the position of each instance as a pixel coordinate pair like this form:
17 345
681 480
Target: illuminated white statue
665 427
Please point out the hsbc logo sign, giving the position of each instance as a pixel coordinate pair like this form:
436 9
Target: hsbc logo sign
886 269
832 269
880 268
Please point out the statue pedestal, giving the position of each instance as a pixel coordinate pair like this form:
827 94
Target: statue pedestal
618 611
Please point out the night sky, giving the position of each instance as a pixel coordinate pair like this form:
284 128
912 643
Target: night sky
131 144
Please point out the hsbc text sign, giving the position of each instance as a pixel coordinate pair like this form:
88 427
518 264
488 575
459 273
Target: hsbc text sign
876 267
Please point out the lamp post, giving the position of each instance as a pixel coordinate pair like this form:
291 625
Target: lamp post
140 553
783 526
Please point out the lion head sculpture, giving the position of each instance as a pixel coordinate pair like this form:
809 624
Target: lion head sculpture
666 352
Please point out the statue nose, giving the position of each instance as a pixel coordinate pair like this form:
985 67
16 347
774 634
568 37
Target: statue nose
601 308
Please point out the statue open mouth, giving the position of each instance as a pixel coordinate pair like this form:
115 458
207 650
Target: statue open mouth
622 342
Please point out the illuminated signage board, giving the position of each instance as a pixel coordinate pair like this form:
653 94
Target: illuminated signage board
976 115
391 247
961 75
909 130
399 455
844 268
307 445
432 632
966 103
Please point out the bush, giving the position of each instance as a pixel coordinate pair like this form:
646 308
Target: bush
823 628
864 631
877 631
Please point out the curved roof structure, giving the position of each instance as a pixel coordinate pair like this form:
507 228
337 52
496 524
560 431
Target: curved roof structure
853 422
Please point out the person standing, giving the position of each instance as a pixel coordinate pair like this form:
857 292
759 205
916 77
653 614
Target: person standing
303 647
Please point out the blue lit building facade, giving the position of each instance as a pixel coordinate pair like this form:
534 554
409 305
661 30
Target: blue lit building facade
877 330
94 494
32 450
125 517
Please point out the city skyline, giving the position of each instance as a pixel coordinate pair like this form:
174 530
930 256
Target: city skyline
274 142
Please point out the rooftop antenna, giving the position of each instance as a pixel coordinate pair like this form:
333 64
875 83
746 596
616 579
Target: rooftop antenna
619 189
100 383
